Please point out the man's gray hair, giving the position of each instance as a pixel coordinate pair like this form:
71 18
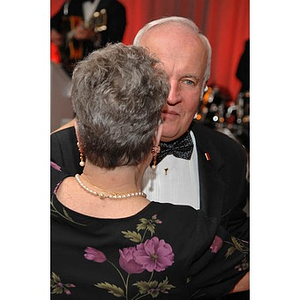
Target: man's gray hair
118 94
186 23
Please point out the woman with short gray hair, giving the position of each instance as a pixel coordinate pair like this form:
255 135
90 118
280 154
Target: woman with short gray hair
119 129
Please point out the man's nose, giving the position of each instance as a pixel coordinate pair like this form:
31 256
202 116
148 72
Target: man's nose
174 96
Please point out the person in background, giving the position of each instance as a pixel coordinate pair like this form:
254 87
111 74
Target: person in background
108 239
197 166
243 69
73 28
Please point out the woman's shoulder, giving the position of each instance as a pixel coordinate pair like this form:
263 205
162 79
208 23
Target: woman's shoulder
180 216
175 208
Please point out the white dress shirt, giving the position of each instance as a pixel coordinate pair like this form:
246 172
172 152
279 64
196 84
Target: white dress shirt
175 180
89 8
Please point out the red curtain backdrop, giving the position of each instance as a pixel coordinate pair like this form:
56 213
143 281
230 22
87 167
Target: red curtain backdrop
55 6
224 22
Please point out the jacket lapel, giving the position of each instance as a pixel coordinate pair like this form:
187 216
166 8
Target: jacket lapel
212 187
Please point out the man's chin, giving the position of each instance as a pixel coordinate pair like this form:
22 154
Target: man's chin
169 134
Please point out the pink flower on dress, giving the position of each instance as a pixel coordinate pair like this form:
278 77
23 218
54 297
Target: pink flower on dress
154 254
216 245
94 255
128 263
68 292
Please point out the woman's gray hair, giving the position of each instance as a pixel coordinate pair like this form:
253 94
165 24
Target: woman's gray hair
118 94
185 23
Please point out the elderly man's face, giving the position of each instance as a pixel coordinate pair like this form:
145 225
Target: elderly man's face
183 57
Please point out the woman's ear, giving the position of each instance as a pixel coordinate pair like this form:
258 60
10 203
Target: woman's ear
76 130
158 135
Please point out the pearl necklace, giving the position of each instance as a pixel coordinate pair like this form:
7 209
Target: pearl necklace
112 195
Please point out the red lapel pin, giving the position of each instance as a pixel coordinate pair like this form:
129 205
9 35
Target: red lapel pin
207 156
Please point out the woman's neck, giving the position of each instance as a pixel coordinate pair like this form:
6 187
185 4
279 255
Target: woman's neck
119 180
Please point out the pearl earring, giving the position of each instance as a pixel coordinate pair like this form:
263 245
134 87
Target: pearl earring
155 151
81 163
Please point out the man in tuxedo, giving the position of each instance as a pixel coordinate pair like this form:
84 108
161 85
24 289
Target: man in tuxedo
197 166
71 17
213 176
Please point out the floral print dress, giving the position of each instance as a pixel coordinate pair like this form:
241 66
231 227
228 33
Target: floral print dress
165 251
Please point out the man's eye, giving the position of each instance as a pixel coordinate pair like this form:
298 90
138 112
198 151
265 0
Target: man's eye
188 82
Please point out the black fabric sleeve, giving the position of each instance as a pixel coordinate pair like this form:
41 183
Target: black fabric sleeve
64 151
217 264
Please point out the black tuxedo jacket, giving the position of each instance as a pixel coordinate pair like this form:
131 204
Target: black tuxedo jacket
224 189
222 167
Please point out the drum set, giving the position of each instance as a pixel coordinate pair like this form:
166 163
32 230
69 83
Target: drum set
218 111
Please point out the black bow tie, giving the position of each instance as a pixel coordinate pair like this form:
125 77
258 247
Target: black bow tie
181 148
